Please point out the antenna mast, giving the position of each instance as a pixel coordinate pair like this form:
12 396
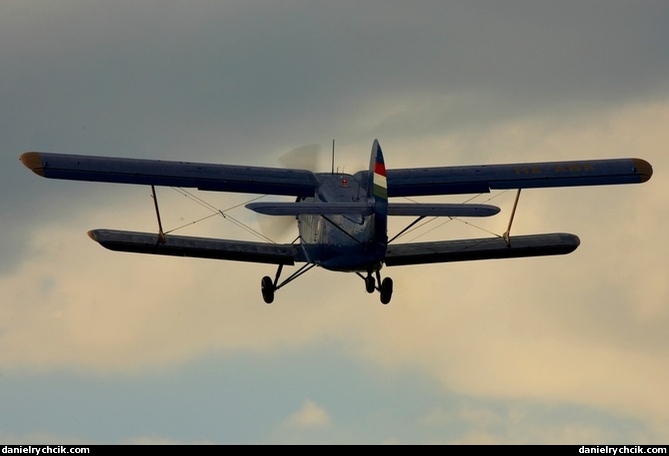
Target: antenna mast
333 157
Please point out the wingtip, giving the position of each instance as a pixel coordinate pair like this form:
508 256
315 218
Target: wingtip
643 169
33 161
93 234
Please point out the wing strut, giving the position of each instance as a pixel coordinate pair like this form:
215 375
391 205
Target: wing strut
303 269
507 235
268 287
161 233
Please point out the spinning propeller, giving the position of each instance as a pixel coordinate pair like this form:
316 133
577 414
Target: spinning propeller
303 157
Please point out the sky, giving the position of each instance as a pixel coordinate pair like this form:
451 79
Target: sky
100 347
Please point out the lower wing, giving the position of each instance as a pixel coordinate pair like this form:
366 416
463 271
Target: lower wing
481 249
198 247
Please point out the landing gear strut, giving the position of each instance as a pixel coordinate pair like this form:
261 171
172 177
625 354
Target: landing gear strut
269 286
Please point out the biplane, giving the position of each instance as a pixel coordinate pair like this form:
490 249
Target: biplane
342 219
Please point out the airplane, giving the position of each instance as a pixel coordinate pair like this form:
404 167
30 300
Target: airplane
342 219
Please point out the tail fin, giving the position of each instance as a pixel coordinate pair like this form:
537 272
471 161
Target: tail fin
378 186
377 190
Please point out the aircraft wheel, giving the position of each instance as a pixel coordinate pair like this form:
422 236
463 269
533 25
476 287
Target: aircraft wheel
267 288
370 284
386 290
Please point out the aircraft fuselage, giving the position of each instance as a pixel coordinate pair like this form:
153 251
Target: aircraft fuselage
350 242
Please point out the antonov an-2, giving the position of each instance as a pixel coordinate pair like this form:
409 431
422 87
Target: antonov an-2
342 219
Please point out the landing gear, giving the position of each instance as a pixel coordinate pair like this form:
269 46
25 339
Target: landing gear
385 287
267 288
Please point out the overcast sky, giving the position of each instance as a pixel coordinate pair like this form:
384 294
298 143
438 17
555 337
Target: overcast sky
104 347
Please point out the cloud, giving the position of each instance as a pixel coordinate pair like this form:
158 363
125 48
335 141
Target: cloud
40 438
151 440
237 83
310 416
586 329
308 425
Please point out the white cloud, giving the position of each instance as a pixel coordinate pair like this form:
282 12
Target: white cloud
309 416
155 440
40 438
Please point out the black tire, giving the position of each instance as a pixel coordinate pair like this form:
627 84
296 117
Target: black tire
370 284
267 288
386 290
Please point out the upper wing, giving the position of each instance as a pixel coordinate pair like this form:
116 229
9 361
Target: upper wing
198 247
482 179
480 249
226 178
294 182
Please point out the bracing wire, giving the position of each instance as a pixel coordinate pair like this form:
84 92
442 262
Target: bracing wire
215 212
449 219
